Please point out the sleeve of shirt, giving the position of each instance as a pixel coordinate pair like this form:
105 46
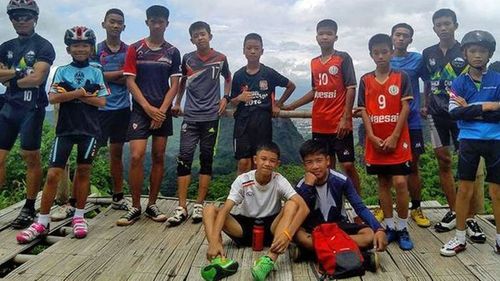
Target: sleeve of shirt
56 79
358 205
184 66
236 192
348 73
361 93
457 112
422 70
46 53
235 86
130 66
307 192
278 79
99 78
407 92
285 188
175 69
226 73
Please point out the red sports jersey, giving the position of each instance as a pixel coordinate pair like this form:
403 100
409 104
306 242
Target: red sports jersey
330 81
383 104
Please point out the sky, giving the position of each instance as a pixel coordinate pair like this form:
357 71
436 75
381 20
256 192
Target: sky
287 26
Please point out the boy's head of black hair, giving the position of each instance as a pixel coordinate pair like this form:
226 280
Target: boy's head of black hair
380 39
312 147
327 23
114 11
199 25
402 25
253 36
270 146
445 12
157 11
494 66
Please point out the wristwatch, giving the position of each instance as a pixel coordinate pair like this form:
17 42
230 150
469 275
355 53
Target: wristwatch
227 97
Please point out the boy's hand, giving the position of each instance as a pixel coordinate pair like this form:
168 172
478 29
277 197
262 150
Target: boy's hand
155 124
91 89
288 107
276 110
343 128
222 106
176 110
155 113
377 142
389 144
245 96
459 100
423 112
280 244
215 250
491 106
380 241
310 178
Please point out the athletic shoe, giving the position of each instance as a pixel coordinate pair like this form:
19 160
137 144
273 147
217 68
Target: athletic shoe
497 248
219 268
452 248
404 240
122 204
418 216
474 231
154 213
392 235
197 215
62 212
448 222
130 217
261 268
31 233
371 261
25 218
180 215
379 214
80 227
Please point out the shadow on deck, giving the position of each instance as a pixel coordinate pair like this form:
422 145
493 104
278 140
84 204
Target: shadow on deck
151 251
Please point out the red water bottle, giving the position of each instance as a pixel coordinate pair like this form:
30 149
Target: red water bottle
258 236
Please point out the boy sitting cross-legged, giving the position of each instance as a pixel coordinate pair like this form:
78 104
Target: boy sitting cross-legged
254 195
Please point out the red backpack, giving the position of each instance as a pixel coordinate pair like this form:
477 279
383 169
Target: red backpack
338 255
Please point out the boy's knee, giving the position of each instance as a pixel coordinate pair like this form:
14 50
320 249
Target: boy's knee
53 176
83 170
209 209
157 157
136 158
32 158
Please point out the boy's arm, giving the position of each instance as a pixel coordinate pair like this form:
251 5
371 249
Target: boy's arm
300 216
176 107
389 144
343 128
290 87
40 72
63 96
115 77
153 112
95 101
307 98
376 141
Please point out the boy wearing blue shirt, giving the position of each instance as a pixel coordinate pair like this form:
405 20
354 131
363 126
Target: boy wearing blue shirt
79 89
475 103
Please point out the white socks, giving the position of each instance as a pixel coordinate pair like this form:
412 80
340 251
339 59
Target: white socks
389 222
460 236
402 223
44 219
79 213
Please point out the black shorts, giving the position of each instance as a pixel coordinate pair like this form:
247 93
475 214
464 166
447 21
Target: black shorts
26 123
247 224
402 169
417 141
138 127
444 131
250 132
191 133
114 125
468 159
343 148
62 146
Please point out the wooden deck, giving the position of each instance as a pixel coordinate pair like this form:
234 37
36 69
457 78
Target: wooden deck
151 251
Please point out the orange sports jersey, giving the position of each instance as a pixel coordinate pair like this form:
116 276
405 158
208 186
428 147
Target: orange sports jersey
330 81
383 104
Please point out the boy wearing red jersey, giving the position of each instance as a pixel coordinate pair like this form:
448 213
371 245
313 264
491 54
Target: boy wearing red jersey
383 99
333 91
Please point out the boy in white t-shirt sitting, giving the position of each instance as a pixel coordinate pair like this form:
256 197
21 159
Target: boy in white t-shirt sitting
254 195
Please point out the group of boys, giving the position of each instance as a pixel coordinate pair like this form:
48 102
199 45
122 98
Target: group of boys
93 93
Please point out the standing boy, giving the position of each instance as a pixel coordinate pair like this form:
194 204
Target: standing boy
24 66
149 65
413 65
324 190
115 116
79 89
475 103
333 91
255 195
253 92
383 98
201 70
